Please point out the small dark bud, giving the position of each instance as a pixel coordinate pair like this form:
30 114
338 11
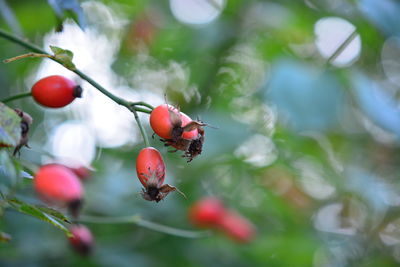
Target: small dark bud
78 91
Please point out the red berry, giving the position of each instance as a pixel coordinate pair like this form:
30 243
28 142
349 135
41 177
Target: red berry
150 166
237 227
210 212
168 122
206 212
55 91
160 121
150 169
81 239
59 185
178 130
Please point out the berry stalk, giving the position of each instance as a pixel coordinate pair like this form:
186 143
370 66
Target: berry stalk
136 219
15 97
142 131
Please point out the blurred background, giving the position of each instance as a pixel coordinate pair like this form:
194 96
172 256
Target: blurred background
305 96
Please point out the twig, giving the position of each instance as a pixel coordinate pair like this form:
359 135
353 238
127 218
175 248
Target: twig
25 56
136 219
141 103
14 97
142 131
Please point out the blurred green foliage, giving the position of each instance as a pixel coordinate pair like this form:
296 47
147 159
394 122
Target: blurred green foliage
306 150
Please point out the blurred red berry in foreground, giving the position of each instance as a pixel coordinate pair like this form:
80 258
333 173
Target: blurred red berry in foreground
237 227
58 185
206 212
210 212
81 239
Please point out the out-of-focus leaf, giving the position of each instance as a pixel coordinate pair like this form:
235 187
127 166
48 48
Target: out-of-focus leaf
9 17
10 126
69 8
376 104
372 189
384 14
64 56
4 237
307 98
54 213
8 172
36 212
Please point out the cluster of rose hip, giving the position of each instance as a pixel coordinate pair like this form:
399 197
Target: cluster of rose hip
60 185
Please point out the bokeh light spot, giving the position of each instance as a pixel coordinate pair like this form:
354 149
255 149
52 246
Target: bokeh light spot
331 33
196 11
72 143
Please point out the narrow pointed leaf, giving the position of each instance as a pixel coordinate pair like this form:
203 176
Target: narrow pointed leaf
36 212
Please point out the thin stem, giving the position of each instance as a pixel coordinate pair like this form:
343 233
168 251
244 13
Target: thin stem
142 131
143 110
25 56
343 46
172 231
113 97
141 103
129 105
14 97
136 219
111 220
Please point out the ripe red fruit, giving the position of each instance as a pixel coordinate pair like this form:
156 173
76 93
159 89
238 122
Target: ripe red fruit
178 130
81 239
59 185
210 212
150 165
55 91
150 169
237 227
168 123
206 212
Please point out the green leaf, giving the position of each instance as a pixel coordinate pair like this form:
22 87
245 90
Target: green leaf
54 213
63 56
8 172
38 213
10 126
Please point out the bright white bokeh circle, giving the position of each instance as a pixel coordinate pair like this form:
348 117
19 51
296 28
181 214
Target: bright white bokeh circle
331 33
196 11
72 143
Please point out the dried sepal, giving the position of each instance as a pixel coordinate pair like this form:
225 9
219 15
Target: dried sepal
193 125
191 147
26 121
152 193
